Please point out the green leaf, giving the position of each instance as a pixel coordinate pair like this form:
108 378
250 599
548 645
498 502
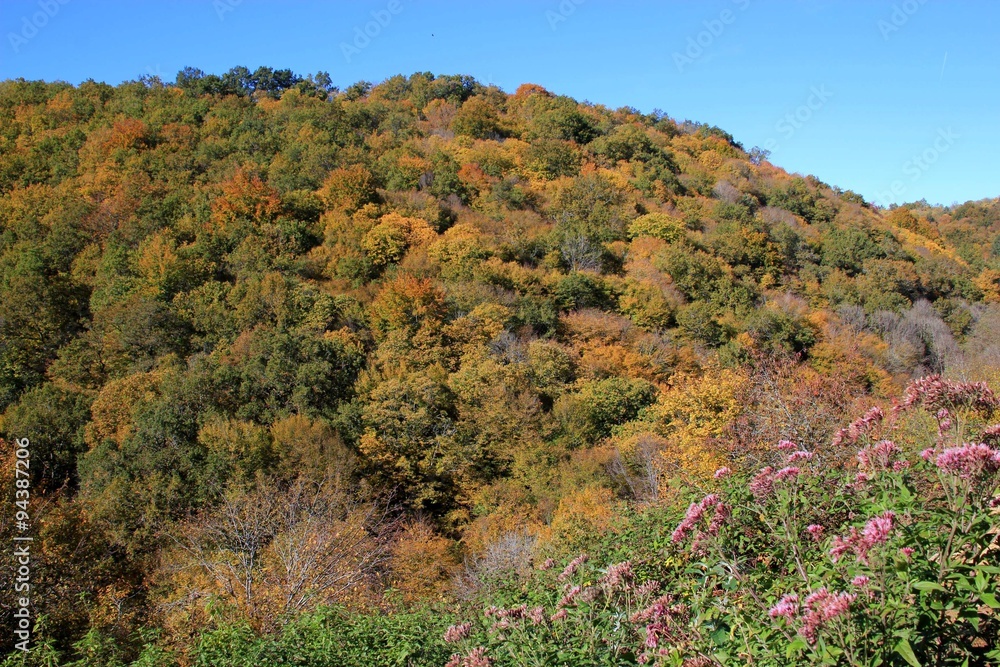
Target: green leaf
929 586
904 649
990 599
797 645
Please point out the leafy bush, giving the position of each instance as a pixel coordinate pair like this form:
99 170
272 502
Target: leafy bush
890 563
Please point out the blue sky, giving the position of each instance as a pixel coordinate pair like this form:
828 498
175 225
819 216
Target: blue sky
895 99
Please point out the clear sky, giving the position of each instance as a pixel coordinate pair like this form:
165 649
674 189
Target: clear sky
865 94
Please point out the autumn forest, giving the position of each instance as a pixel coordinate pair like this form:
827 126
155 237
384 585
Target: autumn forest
428 373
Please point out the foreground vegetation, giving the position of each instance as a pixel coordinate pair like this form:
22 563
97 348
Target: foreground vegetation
316 376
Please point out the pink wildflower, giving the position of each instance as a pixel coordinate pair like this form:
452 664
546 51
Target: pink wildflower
537 615
514 612
786 446
477 658
927 454
709 501
969 460
787 607
815 531
694 515
878 456
877 530
799 455
547 565
791 472
722 472
934 392
841 546
559 616
822 606
456 633
568 598
907 552
763 483
618 573
859 427
659 608
698 544
573 566
691 518
648 587
719 518
837 605
860 581
992 434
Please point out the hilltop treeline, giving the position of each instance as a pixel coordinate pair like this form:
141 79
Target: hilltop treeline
281 347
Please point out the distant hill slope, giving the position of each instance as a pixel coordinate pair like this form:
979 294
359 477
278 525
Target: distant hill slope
476 301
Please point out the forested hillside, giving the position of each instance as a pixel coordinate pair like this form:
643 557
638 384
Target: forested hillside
308 370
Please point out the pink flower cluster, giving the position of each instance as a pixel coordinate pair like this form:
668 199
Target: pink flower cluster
992 434
859 427
819 608
934 393
696 512
661 623
789 472
762 483
879 456
969 461
548 564
787 607
944 422
537 615
875 532
815 531
822 607
456 633
722 472
506 617
476 658
569 596
573 566
648 587
657 609
618 574
799 455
